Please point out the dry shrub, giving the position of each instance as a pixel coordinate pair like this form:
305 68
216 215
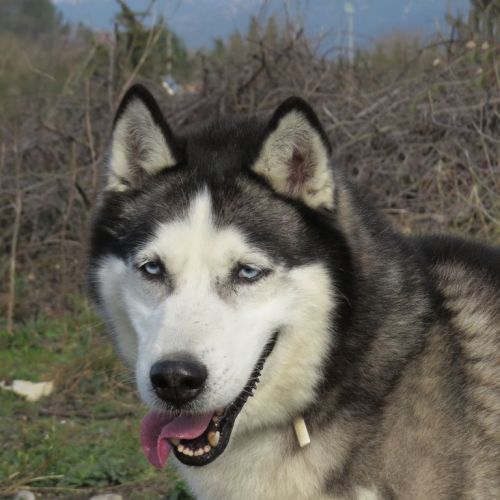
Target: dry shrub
423 136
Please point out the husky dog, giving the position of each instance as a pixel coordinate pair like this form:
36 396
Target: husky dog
263 304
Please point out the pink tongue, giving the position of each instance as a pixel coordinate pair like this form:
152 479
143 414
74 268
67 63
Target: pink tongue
157 427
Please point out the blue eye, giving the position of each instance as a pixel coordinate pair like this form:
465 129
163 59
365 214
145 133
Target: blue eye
152 268
249 273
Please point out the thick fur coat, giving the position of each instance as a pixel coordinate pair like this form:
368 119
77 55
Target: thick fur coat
387 346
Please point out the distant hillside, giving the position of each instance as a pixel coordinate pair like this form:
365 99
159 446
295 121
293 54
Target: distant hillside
198 22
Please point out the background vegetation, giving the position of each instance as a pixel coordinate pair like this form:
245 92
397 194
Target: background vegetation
417 122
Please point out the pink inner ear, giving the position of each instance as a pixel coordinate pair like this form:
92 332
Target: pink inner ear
299 171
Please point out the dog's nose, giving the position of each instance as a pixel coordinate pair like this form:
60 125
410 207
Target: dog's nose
178 381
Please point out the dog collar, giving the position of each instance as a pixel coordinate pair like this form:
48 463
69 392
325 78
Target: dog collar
300 428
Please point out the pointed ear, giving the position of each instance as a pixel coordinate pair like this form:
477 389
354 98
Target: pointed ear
294 157
142 143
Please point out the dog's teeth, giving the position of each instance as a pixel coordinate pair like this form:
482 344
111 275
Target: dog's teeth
175 441
180 448
213 438
188 452
200 452
207 448
215 420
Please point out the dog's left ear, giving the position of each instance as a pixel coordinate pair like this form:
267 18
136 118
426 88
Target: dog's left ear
294 157
142 143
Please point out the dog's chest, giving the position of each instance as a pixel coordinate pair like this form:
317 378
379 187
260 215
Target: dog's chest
264 466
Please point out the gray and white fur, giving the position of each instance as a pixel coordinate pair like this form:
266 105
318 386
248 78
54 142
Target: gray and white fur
388 346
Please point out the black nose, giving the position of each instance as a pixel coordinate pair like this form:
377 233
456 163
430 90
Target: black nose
178 380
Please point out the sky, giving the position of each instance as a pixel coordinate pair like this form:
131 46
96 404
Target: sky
199 22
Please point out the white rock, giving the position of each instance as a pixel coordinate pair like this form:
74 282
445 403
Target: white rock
32 391
107 496
24 495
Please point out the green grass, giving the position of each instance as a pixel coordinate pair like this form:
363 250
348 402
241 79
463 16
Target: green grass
84 438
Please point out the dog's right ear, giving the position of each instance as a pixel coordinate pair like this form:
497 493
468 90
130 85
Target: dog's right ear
294 156
142 143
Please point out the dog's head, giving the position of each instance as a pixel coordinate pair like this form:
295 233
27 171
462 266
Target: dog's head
208 263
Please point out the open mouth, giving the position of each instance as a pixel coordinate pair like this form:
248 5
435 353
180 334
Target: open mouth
197 439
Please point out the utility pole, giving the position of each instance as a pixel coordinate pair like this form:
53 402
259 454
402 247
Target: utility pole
169 52
168 42
349 10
